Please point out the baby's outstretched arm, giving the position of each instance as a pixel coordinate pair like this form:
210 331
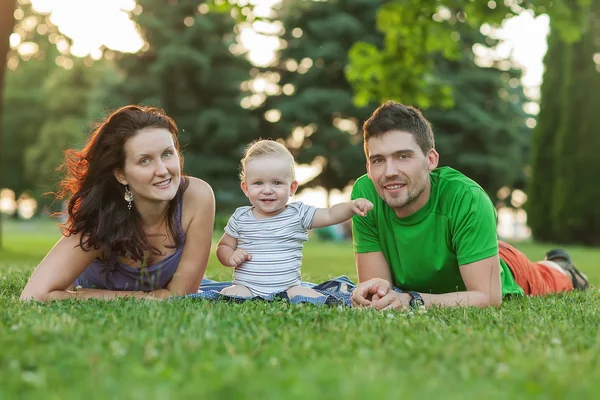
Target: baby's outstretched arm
229 254
341 212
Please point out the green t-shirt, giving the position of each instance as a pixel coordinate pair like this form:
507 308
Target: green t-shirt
457 226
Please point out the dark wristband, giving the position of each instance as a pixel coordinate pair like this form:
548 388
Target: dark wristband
416 300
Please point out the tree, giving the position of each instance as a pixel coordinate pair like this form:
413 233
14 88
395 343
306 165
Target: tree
6 24
575 214
318 120
30 64
187 69
67 95
484 134
416 30
540 188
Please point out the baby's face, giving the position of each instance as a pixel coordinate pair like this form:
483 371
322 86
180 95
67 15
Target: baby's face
268 184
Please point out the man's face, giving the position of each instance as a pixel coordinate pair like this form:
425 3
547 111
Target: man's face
400 171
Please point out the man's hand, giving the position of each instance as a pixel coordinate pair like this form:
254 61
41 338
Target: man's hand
368 291
377 293
361 207
391 301
238 257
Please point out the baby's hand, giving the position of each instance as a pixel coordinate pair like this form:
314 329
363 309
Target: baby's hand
361 207
238 257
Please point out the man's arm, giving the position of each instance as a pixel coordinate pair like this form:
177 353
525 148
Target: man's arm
372 265
481 278
373 272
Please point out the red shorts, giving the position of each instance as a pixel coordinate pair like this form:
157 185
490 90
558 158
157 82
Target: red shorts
535 279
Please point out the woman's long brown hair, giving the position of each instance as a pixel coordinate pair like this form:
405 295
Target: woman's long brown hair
96 208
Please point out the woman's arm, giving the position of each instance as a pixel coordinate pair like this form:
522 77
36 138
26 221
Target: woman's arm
54 276
103 294
199 201
57 271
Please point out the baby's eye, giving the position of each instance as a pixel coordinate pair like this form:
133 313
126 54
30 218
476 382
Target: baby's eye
277 183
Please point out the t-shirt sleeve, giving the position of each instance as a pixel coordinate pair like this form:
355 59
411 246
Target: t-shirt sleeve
365 236
474 235
232 227
306 213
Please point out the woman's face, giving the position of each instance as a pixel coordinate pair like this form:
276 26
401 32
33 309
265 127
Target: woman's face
152 168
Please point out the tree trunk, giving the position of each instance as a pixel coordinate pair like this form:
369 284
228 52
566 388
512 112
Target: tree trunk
7 23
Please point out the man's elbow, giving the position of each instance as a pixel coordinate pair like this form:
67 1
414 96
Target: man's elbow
495 300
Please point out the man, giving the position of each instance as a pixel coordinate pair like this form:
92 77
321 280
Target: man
431 236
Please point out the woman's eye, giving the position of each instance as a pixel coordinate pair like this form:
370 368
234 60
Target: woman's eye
167 154
144 161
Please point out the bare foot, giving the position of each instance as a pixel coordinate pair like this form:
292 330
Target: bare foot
302 291
237 290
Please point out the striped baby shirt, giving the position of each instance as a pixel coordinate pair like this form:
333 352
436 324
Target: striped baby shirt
275 244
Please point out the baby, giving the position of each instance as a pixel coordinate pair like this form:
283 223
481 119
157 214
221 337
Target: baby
263 242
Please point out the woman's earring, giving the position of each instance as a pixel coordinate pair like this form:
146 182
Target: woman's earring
128 197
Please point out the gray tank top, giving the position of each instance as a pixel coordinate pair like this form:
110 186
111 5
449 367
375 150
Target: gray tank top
113 275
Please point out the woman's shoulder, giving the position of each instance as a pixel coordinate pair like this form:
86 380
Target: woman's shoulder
198 201
197 190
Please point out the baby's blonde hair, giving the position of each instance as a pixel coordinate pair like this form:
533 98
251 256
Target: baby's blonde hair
266 147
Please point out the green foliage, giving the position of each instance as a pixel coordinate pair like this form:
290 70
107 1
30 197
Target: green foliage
416 30
319 121
484 134
187 69
24 111
544 172
402 69
67 96
575 215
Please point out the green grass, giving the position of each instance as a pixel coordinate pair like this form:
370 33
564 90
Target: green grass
528 348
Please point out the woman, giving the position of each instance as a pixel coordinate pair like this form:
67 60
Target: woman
136 226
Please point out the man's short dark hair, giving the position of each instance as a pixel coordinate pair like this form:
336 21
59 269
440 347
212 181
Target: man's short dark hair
392 116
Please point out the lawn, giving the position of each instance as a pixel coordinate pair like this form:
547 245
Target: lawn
528 348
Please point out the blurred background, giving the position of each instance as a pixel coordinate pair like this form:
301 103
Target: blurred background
512 88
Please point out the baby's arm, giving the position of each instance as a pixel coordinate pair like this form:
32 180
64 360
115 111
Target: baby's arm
341 212
229 254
